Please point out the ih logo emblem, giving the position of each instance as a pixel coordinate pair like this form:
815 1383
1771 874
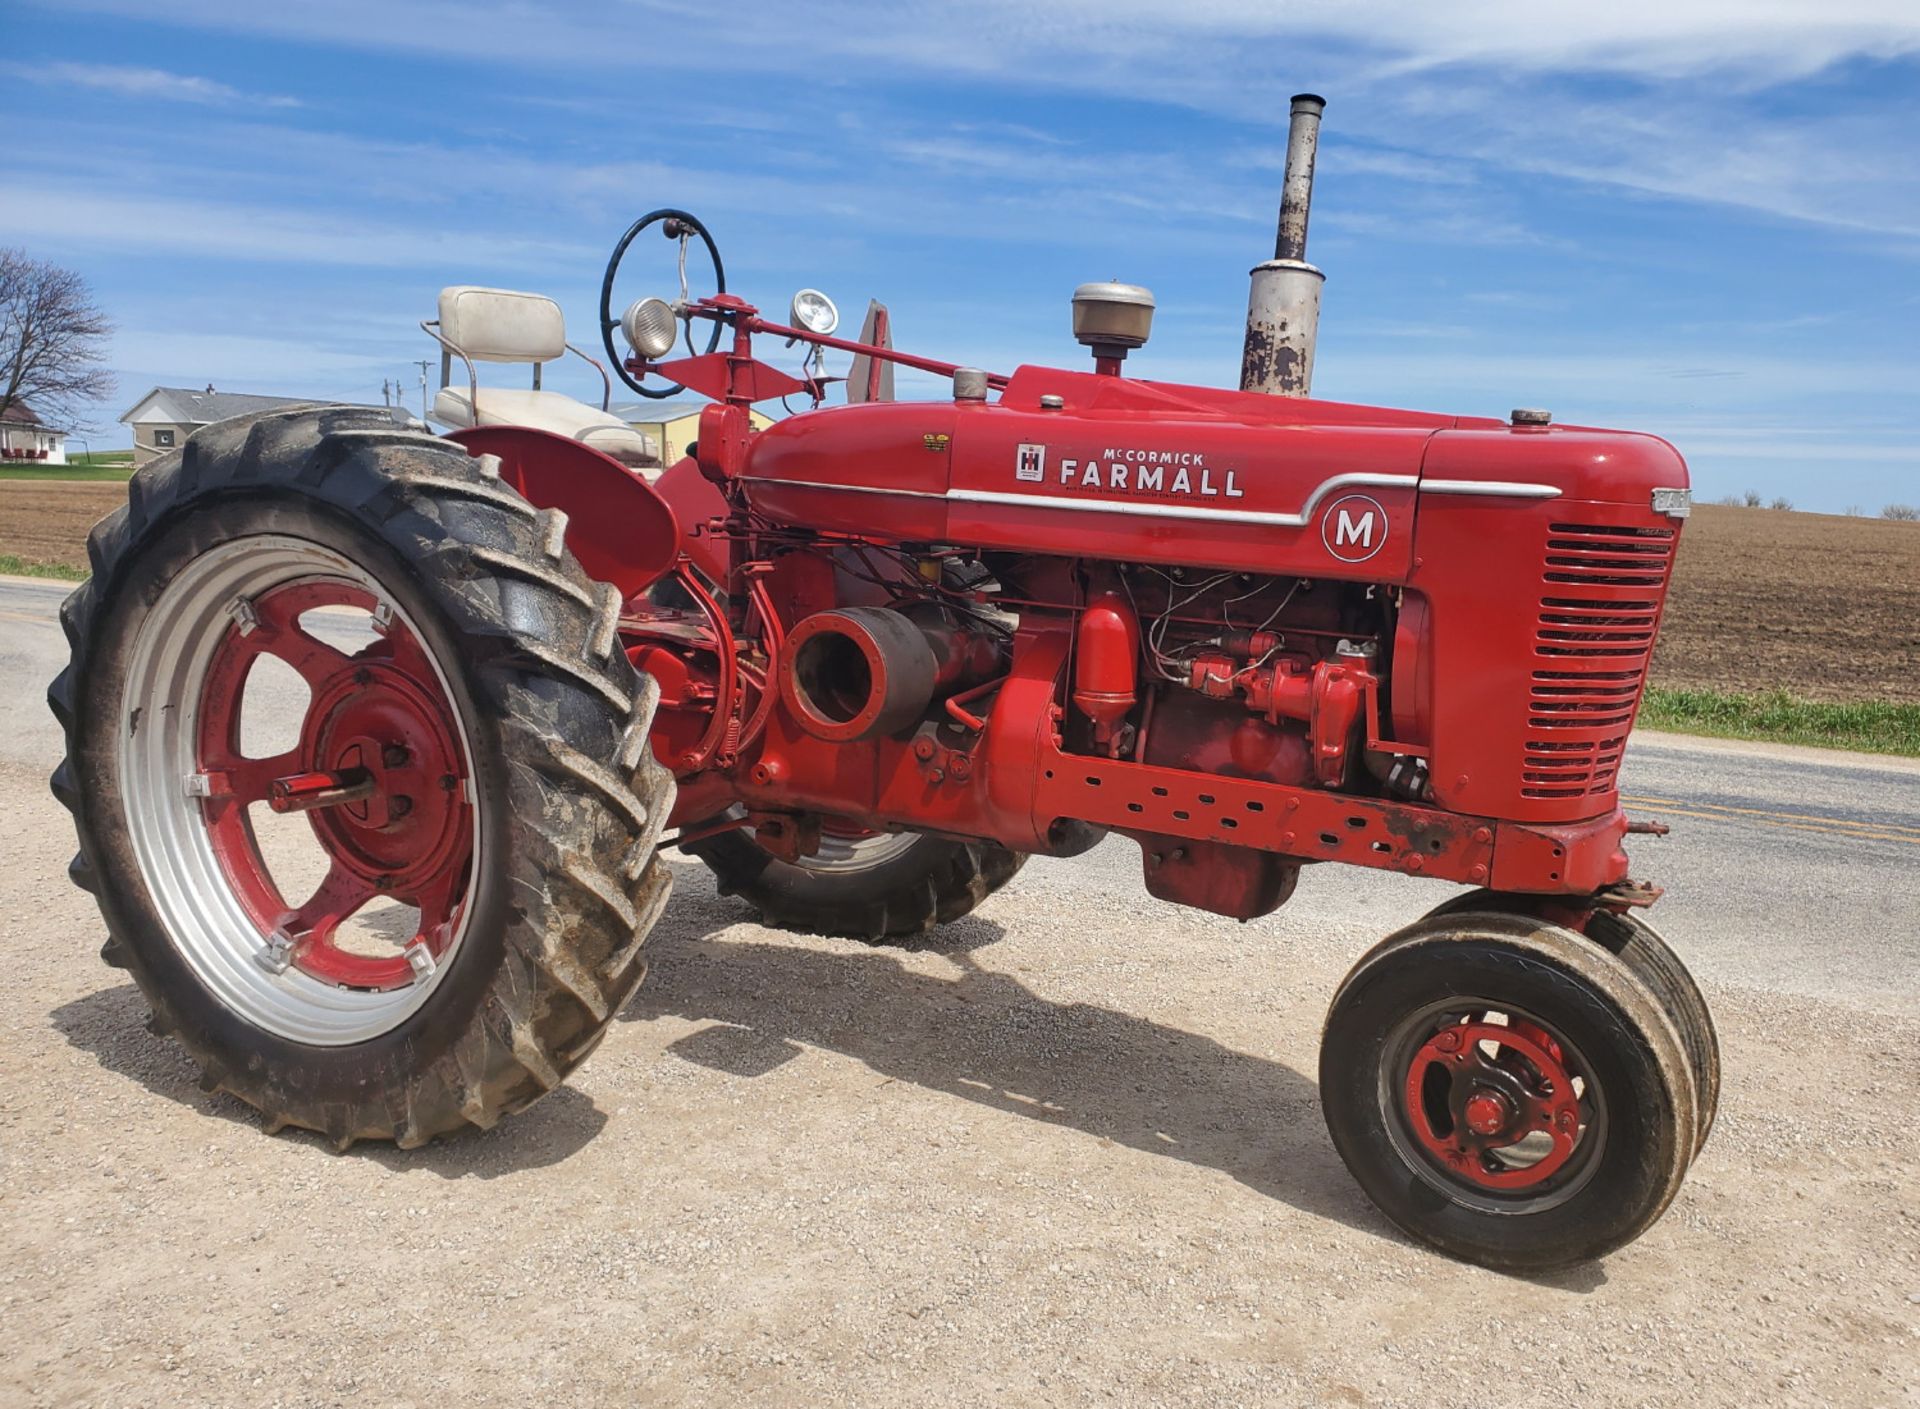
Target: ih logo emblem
1030 463
1354 528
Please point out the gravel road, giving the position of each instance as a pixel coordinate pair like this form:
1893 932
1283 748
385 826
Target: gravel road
1069 1152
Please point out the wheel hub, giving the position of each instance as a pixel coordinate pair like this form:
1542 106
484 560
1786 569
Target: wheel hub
1494 1103
399 821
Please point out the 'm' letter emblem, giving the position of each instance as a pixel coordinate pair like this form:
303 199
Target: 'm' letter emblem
1030 463
1354 528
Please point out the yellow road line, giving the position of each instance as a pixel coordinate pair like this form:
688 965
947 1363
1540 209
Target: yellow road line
1825 827
1806 817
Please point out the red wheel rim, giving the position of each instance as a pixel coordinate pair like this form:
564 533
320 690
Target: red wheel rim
1496 1105
378 770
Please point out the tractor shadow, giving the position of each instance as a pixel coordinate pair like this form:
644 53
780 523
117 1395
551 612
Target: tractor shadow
111 1026
985 1037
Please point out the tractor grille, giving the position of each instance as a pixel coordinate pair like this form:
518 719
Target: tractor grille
1602 586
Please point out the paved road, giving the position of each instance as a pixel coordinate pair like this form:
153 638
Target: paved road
1068 1153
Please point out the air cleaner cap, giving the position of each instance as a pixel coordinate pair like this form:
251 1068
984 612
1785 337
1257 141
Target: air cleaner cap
1529 417
1112 315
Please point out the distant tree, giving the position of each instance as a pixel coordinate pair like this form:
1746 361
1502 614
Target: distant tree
1901 513
1731 501
1853 511
1781 503
52 341
1752 499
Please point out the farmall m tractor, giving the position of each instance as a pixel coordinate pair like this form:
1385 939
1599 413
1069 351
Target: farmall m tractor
862 662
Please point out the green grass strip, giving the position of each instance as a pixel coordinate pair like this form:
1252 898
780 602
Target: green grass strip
1865 726
12 566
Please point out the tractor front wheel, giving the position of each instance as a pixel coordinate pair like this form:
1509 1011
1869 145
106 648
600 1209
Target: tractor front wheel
1507 1091
1632 937
360 775
871 886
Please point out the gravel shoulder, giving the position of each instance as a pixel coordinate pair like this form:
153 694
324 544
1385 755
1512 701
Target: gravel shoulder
1070 1154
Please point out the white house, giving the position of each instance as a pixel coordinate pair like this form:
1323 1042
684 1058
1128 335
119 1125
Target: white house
24 436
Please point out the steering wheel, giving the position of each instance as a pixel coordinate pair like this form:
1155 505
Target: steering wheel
678 225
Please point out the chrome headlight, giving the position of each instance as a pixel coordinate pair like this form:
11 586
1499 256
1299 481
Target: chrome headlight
650 327
815 312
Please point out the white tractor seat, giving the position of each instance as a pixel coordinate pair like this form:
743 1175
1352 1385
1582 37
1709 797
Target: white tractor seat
547 411
504 325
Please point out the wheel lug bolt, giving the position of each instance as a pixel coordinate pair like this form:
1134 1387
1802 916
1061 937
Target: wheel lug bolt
1448 1042
394 756
400 807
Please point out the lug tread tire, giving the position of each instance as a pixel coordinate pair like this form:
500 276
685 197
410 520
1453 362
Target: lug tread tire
574 838
939 880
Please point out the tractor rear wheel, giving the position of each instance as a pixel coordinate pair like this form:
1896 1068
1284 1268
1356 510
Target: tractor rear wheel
1641 948
1507 1091
413 900
870 886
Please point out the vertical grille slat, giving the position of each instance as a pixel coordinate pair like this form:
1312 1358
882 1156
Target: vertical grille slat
1601 589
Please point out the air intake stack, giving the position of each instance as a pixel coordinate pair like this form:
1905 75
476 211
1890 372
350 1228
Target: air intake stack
1283 308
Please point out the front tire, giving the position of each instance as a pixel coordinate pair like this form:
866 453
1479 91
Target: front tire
483 759
1507 1091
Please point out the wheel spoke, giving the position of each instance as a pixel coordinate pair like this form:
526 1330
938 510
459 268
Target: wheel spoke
438 901
333 902
283 637
245 779
405 651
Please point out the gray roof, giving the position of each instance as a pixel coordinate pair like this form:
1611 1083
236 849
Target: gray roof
199 408
21 414
645 411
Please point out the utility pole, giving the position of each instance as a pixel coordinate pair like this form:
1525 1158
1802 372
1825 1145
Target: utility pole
386 392
423 363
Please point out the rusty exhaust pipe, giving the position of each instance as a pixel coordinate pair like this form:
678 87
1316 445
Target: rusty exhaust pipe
1283 307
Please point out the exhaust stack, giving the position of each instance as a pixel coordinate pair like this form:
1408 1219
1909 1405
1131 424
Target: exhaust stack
1283 307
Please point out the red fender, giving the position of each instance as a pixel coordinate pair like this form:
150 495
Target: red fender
618 526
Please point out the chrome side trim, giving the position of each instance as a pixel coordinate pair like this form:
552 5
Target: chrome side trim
1496 488
1499 489
844 488
1140 508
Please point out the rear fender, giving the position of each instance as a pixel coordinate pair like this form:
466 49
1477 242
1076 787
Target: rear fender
622 531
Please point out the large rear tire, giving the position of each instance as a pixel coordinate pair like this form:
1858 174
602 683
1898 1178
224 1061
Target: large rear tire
483 759
874 886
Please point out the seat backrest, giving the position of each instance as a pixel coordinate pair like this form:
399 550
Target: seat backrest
501 325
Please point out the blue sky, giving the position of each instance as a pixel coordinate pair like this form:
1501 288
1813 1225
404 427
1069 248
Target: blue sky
1697 217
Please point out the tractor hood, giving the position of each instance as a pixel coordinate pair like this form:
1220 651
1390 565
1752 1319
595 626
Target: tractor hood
1147 471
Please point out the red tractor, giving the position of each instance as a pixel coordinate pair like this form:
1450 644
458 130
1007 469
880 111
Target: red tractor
862 662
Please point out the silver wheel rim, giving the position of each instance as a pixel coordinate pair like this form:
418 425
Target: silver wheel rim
845 856
196 903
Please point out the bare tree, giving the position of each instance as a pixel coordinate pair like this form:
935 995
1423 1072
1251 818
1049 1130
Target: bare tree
1751 499
1781 503
52 341
1900 513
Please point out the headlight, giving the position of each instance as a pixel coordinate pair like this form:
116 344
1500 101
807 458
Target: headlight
650 328
815 312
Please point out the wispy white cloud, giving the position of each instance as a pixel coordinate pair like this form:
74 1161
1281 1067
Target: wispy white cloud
90 218
148 83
